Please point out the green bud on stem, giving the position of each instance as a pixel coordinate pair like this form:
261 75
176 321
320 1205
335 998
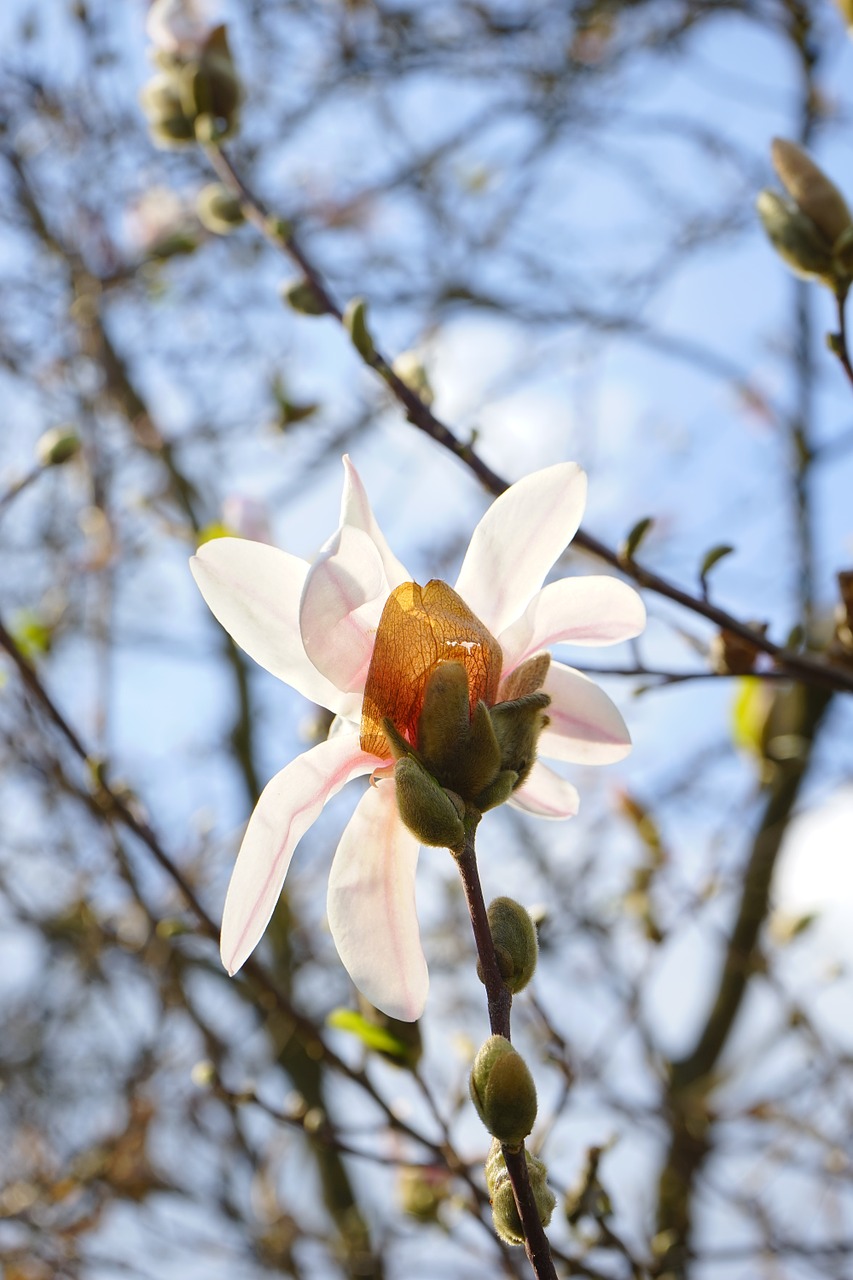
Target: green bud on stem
516 944
426 808
503 1091
505 1213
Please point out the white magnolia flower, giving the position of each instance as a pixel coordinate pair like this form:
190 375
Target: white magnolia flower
315 626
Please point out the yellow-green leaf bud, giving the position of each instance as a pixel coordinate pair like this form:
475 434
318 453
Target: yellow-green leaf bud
426 808
218 209
355 320
516 944
302 297
811 190
794 236
56 446
503 1091
517 725
504 1211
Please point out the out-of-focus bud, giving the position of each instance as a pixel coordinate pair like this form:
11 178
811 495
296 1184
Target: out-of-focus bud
810 189
218 209
794 236
503 1091
426 808
355 321
409 369
423 1190
845 8
504 1211
179 26
56 446
197 93
301 296
161 102
516 945
731 655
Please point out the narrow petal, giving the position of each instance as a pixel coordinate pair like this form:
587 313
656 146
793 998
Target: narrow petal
253 590
517 541
356 511
371 907
594 610
345 591
546 794
286 809
586 727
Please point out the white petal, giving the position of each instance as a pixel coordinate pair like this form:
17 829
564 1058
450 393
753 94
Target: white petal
517 541
586 727
254 591
371 907
594 610
546 794
356 511
287 807
341 605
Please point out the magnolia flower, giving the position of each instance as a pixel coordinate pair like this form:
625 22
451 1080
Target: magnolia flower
179 26
317 627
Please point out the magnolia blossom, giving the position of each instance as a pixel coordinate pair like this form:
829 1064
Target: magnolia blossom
179 26
315 626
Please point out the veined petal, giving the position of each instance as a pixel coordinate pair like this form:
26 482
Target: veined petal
545 794
371 907
357 512
585 725
253 590
517 541
289 804
342 600
594 610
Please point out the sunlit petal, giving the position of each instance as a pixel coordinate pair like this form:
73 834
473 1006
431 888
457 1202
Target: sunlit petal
287 807
517 541
591 611
254 591
371 907
545 794
585 726
341 605
357 512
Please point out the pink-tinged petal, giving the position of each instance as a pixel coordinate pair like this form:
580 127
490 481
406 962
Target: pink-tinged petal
356 511
253 590
545 794
371 907
594 610
517 541
287 807
585 726
342 601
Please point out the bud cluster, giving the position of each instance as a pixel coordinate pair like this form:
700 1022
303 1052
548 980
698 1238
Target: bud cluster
504 1210
195 95
464 760
810 226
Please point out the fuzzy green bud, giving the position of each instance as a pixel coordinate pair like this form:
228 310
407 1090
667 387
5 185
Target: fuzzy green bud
301 296
794 236
503 1091
517 725
810 189
516 944
426 808
505 1214
57 446
161 102
355 321
443 722
218 209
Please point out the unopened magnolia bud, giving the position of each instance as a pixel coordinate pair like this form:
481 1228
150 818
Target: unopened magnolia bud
443 722
810 189
517 726
426 808
503 1091
423 1190
301 296
56 446
218 209
169 124
794 236
497 792
504 1211
355 320
516 945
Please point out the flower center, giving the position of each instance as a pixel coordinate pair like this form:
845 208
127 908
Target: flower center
419 628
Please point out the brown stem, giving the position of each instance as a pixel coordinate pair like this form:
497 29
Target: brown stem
499 1000
802 667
